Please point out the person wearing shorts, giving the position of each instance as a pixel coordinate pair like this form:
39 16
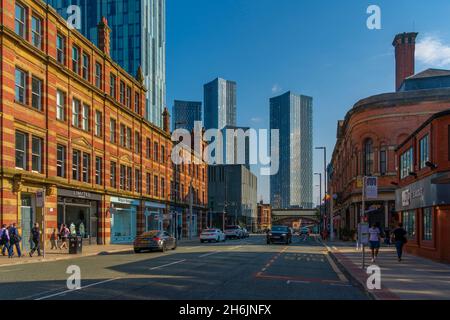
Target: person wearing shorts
374 241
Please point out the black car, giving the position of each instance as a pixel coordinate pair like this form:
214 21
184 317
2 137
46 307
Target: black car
279 234
154 240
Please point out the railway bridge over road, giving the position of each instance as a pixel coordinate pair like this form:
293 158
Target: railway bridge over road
295 218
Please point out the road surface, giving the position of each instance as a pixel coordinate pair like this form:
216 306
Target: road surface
247 269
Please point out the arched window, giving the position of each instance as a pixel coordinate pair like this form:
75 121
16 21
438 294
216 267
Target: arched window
368 157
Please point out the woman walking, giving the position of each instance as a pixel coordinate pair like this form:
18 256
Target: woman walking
64 236
374 241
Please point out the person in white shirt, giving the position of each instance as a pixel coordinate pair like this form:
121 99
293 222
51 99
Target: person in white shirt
374 241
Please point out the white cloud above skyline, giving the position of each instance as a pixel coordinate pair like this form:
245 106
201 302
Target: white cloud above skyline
433 51
276 88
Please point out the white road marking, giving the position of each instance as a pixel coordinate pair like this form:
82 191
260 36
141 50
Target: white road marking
69 291
169 264
208 254
192 248
4 271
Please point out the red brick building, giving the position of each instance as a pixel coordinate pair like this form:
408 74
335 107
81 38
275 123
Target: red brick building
264 216
72 125
423 197
370 133
190 183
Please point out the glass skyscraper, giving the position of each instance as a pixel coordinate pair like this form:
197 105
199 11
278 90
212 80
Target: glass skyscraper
185 114
138 38
292 186
220 104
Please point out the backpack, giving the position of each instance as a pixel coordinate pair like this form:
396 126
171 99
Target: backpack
14 235
3 237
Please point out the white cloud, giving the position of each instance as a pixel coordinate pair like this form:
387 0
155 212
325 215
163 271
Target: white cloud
431 50
276 88
256 120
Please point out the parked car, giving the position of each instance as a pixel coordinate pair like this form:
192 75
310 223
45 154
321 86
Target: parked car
279 234
233 232
245 233
154 240
212 235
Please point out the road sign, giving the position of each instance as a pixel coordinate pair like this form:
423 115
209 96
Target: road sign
363 233
371 187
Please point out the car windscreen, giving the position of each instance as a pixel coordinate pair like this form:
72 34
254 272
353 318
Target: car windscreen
210 231
279 229
231 227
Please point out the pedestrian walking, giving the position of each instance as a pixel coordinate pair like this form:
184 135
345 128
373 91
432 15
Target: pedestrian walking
399 238
387 238
65 232
15 239
179 232
36 239
5 241
374 241
54 240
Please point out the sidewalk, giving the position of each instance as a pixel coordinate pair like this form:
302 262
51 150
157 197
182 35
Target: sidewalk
88 251
415 278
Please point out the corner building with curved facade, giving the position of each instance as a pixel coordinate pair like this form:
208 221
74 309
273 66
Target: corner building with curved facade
370 133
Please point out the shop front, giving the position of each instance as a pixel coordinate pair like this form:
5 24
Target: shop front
177 216
123 219
192 222
424 209
28 217
79 211
154 216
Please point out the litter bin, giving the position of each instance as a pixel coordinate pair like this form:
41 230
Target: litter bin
75 245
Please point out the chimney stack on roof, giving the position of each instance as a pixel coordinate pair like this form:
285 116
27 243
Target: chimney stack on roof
104 33
405 47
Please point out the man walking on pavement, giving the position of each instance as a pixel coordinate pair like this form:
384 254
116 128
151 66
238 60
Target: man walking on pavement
15 239
36 238
179 232
399 237
5 241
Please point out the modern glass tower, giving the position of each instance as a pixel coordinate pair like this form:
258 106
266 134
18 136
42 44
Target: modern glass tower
185 114
292 186
220 104
138 38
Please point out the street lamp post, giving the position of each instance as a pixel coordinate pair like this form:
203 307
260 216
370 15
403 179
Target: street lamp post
326 190
320 195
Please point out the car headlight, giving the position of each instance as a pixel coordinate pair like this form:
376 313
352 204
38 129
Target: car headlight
284 235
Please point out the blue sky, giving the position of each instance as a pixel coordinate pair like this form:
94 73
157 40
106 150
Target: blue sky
318 48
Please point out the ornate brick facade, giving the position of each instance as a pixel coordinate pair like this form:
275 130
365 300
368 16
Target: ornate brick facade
61 97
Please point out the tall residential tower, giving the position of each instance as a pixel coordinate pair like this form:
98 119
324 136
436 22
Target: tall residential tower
292 186
185 114
220 104
138 39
